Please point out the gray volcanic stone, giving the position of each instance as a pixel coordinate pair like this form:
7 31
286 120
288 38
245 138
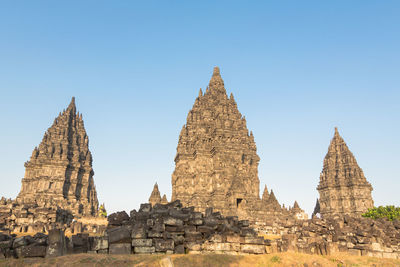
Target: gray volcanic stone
57 243
20 241
164 245
142 242
146 207
179 249
121 248
139 231
99 243
33 251
144 250
119 235
6 244
118 218
173 221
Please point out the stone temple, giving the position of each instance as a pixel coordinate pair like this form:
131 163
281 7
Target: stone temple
343 188
58 185
60 169
216 164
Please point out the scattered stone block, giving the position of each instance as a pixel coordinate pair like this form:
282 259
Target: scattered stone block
119 235
179 249
252 249
33 251
120 248
173 221
144 250
57 245
142 242
164 245
99 243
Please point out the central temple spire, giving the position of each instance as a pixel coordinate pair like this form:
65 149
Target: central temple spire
216 160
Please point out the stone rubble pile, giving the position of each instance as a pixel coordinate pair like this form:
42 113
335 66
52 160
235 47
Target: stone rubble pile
162 229
170 228
354 235
173 229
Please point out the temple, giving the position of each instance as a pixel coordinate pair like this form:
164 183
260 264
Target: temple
343 188
216 164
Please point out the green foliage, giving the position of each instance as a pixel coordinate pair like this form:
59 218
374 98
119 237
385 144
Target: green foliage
276 259
389 212
102 211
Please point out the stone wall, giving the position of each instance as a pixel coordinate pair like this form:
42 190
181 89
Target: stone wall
172 229
31 218
354 235
162 229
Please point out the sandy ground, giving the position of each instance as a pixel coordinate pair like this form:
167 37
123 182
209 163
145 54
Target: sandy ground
211 260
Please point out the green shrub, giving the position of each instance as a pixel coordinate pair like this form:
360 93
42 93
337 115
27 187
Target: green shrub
389 212
276 259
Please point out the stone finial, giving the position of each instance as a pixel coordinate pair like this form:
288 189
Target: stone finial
316 208
296 205
265 195
216 83
164 200
200 93
273 202
71 105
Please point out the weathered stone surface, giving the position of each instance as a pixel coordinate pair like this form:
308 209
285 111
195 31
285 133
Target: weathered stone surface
20 241
164 245
139 231
173 221
6 244
142 242
57 244
179 249
118 218
121 248
144 250
99 243
252 249
33 251
119 235
343 188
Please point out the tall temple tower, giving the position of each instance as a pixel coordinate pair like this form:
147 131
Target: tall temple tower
60 171
216 163
343 188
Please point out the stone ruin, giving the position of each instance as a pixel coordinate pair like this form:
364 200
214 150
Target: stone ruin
174 229
216 164
161 229
343 188
58 186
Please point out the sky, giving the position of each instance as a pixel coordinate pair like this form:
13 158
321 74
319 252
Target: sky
297 69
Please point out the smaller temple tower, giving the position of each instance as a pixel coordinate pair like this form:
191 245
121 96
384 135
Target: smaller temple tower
343 188
155 196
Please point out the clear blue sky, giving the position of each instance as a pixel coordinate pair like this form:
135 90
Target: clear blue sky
296 68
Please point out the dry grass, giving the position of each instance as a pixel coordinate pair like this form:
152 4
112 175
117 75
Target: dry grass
214 260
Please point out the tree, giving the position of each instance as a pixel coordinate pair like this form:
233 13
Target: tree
389 212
